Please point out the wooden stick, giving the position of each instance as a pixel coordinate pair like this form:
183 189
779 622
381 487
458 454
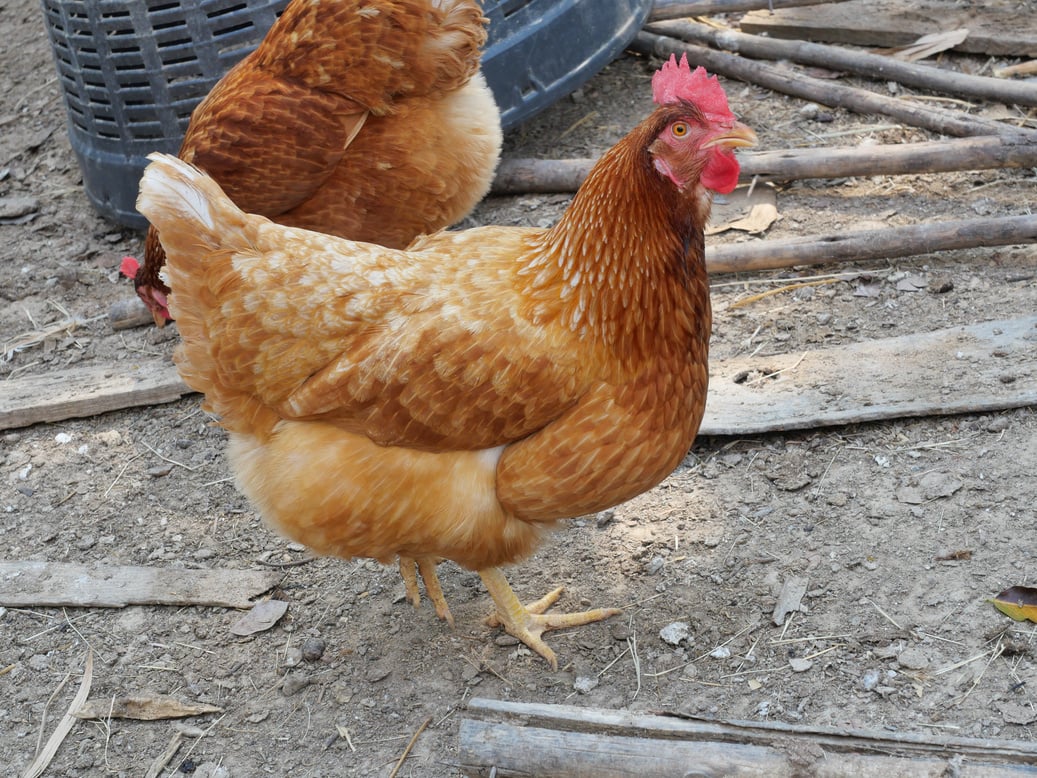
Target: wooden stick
523 176
159 763
676 9
520 739
871 244
130 312
43 759
410 745
527 175
1022 69
859 100
863 63
943 156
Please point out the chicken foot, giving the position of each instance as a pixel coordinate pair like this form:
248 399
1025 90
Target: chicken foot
426 567
529 622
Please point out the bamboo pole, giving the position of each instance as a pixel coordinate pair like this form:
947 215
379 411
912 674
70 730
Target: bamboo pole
523 176
506 739
675 9
859 100
871 244
863 63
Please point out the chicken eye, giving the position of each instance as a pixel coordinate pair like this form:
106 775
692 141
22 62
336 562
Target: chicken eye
679 129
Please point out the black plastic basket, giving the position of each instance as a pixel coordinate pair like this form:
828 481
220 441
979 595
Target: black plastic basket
131 71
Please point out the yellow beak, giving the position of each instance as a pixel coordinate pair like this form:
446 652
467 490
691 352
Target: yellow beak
735 136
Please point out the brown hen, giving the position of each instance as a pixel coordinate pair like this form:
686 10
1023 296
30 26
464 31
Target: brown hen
454 400
366 119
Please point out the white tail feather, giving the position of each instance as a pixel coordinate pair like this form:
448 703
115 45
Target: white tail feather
173 191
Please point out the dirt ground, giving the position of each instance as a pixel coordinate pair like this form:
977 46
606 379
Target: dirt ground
903 529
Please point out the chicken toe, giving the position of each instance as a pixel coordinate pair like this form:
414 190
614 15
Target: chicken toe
425 566
529 622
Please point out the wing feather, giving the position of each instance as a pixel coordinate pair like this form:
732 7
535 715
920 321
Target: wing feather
426 349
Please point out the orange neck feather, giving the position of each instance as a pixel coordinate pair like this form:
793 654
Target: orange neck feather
627 256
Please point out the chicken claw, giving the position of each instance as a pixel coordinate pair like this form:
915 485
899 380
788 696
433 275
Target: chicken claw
426 567
528 622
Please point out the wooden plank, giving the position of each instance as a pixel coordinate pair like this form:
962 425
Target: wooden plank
880 379
61 584
973 369
995 28
521 739
87 390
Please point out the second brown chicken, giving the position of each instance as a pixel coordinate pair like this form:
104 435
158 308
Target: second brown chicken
366 119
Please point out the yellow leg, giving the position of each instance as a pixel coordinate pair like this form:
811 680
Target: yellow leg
528 623
426 566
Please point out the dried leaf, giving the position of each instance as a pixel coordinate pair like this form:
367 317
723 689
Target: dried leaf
44 757
143 708
1018 602
789 599
930 44
262 617
759 219
749 209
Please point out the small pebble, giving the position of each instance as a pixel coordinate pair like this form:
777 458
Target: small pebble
870 680
313 649
800 665
1000 424
16 206
655 565
913 659
584 684
674 634
293 657
721 652
86 542
295 683
619 631
158 471
379 671
62 438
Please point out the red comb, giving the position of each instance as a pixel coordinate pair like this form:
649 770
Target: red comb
129 267
674 82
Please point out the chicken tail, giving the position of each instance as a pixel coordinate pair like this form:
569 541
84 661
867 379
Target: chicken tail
185 205
201 230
